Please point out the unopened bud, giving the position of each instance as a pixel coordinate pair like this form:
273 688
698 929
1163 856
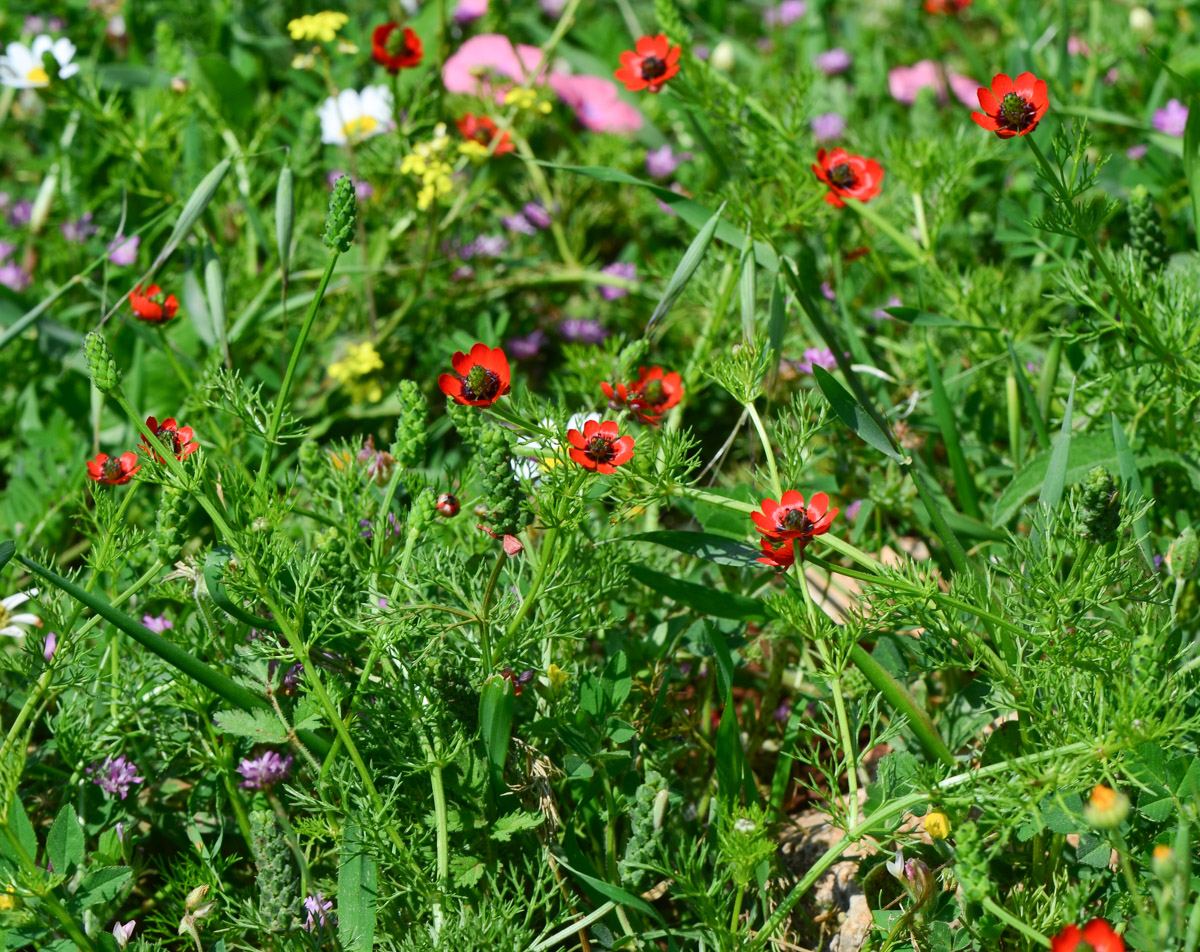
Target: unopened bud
103 369
512 546
1183 556
659 813
1141 23
339 222
722 58
937 825
1107 808
1164 861
195 898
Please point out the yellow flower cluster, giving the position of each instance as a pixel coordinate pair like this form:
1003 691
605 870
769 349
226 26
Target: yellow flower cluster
360 361
321 27
527 99
427 163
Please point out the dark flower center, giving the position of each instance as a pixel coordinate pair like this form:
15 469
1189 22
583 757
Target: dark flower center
599 449
112 468
480 384
170 436
842 175
796 520
652 393
1015 112
653 67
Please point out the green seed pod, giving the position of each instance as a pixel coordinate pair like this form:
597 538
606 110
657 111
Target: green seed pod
509 507
1183 556
105 376
285 215
1145 230
339 222
971 864
409 448
467 421
671 23
278 885
1100 506
170 527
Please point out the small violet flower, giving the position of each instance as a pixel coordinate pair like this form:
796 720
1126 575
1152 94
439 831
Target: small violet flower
827 126
518 224
536 215
21 213
1136 152
317 905
834 61
468 11
362 188
582 330
157 624
77 232
816 356
785 13
123 251
265 771
50 647
1171 119
661 163
620 269
14 277
115 776
527 347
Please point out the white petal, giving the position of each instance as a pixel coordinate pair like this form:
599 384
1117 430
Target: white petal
68 71
19 599
26 619
41 44
331 125
12 632
63 50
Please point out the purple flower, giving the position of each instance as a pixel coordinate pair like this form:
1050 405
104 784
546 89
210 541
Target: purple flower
317 905
123 251
464 272
157 624
552 8
367 526
784 711
485 246
832 62
22 211
852 509
468 11
1159 562
116 776
291 677
362 188
120 831
79 231
662 163
14 277
582 330
122 933
881 315
527 347
264 771
827 291
50 647
620 269
536 215
785 14
816 356
6 250
1136 152
1172 118
827 126
518 224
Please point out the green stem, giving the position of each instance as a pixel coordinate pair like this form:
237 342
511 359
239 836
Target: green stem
47 897
1008 918
767 451
901 701
485 636
535 590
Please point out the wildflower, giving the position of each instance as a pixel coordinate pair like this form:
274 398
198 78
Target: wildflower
426 163
113 470
178 439
895 865
937 825
881 314
480 132
10 621
620 269
317 905
1107 808
14 277
115 776
821 357
790 518
649 397
662 162
596 102
558 679
527 347
360 362
827 126
122 933
480 378
1096 936
378 463
21 66
947 7
536 215
77 232
906 82
1171 119
1012 107
50 646
264 771
518 681
848 176
395 48
583 330
362 188
353 116
518 224
152 305
531 468
21 213
447 505
852 510
785 13
317 27
1136 152
649 65
1141 23
468 11
552 8
781 558
157 623
123 251
598 448
483 63
1163 861
527 100
367 530
832 62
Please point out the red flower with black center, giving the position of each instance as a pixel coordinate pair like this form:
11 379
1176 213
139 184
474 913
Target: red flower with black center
599 448
782 557
177 438
649 65
790 518
1012 107
649 397
481 129
848 176
480 378
946 6
1096 936
395 47
152 305
113 470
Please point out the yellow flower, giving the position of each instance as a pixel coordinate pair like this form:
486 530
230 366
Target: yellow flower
476 150
304 61
345 46
360 361
321 26
1107 807
557 678
527 99
937 825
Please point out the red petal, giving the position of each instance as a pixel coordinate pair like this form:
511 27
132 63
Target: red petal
822 525
1002 85
582 459
833 199
606 389
590 427
624 450
987 102
792 498
987 122
608 428
1023 85
763 524
576 439
461 363
96 466
451 386
818 504
673 57
630 59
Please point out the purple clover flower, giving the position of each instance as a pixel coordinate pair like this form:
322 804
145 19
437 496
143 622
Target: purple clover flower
1172 118
317 905
834 61
785 13
816 356
583 330
662 163
518 224
157 624
619 269
79 231
852 510
123 251
264 771
527 347
1136 152
827 126
536 215
21 213
115 776
14 277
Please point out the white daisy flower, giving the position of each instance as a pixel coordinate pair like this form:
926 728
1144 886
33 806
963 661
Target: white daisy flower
531 468
10 621
352 116
21 66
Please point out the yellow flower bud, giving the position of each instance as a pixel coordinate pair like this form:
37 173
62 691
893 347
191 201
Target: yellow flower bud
1107 807
937 825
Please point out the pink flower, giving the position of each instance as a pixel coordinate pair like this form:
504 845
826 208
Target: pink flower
596 103
905 82
827 126
832 62
785 14
965 89
482 64
468 11
1172 118
1136 152
123 251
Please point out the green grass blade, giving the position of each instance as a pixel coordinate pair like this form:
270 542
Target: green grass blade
854 414
1056 473
685 269
1029 398
1127 467
748 291
964 482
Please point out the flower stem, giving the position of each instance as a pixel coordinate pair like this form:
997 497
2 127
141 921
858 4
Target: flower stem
1008 918
485 638
767 451
530 601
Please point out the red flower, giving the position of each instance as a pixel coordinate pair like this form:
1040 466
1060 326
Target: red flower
946 6
1097 935
649 397
654 62
480 378
1012 107
781 558
599 448
169 432
113 470
395 48
481 129
153 306
848 176
791 519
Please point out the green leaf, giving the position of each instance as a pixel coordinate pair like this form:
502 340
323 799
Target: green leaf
733 772
964 482
748 291
701 598
685 269
720 647
1056 470
101 885
1191 157
616 681
1028 397
918 318
614 893
1093 850
260 726
497 705
7 549
197 202
1127 467
358 879
22 829
64 843
519 821
702 545
777 324
854 415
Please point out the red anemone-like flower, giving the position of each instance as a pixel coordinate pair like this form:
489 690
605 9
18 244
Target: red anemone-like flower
649 397
395 47
113 470
649 65
177 438
480 378
848 176
152 305
790 518
481 129
1097 935
599 448
781 558
946 6
1012 107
